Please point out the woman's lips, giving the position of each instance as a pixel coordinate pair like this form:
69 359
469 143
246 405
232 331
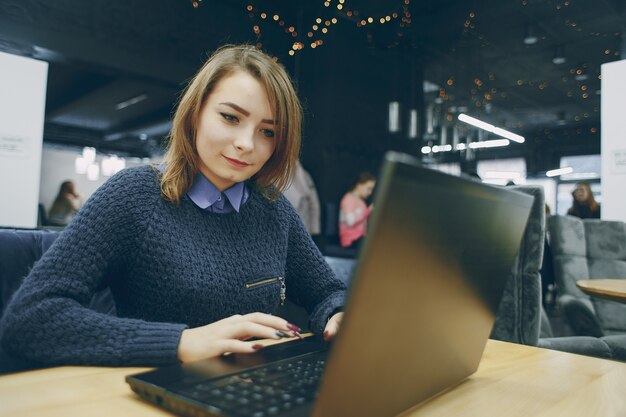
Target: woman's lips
236 162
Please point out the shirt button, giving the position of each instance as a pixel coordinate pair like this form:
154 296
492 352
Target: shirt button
219 198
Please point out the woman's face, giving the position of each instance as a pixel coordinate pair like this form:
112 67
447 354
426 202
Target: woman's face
236 131
365 189
581 194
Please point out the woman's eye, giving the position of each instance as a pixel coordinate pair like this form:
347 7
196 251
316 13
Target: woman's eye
229 117
268 133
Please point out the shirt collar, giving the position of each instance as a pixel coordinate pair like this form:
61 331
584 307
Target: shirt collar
235 195
204 194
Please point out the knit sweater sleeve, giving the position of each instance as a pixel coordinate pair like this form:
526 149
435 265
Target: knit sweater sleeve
310 281
47 320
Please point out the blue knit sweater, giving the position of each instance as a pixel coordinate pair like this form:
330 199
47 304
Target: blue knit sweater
169 267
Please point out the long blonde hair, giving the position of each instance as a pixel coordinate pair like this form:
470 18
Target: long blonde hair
181 158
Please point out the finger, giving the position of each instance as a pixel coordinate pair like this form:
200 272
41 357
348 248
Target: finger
272 321
332 327
246 329
330 331
286 329
237 346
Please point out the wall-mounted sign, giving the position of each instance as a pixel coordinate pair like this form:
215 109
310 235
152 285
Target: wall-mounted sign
618 161
13 145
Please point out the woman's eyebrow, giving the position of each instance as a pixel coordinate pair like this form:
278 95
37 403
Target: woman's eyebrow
246 112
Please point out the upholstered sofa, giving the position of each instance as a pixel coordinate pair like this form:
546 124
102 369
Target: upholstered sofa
521 317
19 250
331 246
582 250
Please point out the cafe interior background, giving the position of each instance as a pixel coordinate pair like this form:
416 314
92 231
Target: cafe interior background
372 76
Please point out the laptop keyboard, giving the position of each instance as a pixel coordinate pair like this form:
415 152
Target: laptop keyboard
270 390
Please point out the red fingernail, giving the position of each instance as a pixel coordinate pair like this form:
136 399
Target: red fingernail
293 327
256 346
325 334
298 335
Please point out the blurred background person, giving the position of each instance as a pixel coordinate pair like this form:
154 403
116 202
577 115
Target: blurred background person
302 195
354 211
583 204
65 205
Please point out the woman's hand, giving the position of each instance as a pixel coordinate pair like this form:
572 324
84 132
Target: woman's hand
76 201
229 335
332 327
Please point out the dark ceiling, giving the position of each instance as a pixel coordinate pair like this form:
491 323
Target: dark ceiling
116 68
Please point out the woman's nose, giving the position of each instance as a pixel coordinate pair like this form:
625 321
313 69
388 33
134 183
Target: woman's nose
244 140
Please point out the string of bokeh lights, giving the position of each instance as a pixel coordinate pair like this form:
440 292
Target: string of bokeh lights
576 80
314 34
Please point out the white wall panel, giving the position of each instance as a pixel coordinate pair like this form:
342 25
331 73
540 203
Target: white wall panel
613 113
22 107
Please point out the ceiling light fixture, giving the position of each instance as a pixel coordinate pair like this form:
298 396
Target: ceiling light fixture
394 116
436 149
559 171
111 165
413 124
137 99
491 128
559 55
530 38
494 143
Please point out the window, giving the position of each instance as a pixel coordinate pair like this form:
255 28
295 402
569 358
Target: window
586 168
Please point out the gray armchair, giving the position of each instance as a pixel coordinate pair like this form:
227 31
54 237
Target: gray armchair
521 318
518 318
588 249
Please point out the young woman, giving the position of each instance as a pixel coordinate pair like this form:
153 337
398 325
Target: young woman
353 212
198 252
65 205
584 205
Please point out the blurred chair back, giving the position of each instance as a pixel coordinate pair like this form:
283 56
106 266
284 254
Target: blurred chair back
331 246
588 249
19 250
343 267
518 318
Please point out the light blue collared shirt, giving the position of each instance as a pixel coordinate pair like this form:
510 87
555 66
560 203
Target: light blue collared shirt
206 196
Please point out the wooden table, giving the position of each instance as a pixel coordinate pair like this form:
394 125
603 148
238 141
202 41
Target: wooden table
512 380
611 289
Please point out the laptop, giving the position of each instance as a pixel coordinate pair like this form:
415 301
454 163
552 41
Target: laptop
420 308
